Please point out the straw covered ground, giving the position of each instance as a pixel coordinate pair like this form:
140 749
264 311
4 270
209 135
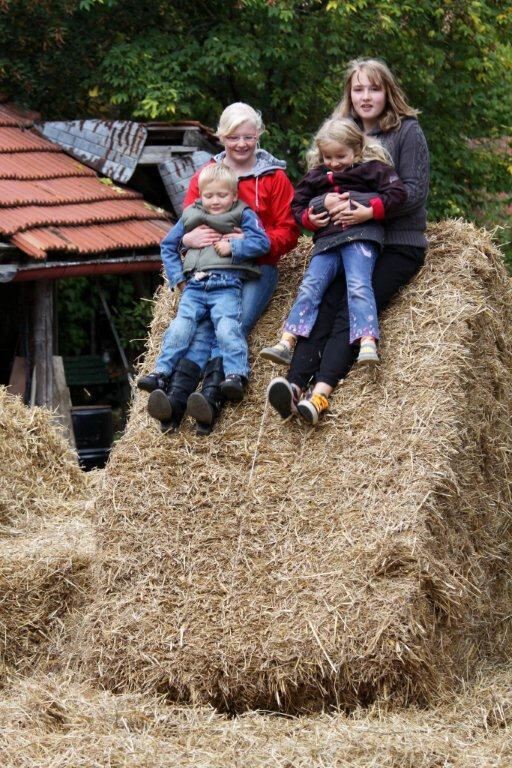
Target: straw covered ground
46 541
272 566
52 722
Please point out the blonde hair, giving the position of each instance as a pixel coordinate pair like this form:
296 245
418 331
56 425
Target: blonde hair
379 74
236 114
343 130
218 172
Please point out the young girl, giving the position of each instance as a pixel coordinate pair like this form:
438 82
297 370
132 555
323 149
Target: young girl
342 158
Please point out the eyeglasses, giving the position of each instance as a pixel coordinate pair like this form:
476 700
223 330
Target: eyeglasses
236 139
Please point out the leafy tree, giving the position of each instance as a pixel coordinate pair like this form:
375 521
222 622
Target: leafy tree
168 60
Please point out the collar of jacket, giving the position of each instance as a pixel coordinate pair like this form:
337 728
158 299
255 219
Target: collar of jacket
265 163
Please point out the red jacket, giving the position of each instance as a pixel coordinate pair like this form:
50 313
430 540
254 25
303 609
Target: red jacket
269 192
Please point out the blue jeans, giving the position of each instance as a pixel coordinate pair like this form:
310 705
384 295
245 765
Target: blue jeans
256 294
218 296
358 260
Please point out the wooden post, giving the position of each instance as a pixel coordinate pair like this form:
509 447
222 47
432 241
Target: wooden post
62 400
43 342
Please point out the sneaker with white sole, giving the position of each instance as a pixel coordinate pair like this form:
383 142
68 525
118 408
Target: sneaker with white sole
283 397
280 353
368 354
312 407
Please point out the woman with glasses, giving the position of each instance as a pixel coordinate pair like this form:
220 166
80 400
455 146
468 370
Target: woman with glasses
264 186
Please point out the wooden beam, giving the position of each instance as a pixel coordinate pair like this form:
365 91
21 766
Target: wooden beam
62 400
43 342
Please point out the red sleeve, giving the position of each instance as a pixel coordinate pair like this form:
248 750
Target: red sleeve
192 191
378 208
307 223
280 226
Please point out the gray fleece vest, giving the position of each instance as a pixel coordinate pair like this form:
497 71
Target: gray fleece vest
203 259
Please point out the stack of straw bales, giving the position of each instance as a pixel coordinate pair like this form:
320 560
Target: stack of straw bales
50 722
279 567
46 542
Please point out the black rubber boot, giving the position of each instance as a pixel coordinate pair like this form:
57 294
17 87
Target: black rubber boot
153 381
205 406
168 406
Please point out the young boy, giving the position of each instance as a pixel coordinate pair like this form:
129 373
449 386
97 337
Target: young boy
210 279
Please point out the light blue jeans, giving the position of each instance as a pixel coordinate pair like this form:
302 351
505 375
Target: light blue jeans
256 294
218 296
358 260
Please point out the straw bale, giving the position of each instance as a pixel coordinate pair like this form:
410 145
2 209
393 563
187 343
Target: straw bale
42 578
273 566
46 540
40 473
54 722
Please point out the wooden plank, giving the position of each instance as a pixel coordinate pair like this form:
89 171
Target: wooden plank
17 379
43 342
61 401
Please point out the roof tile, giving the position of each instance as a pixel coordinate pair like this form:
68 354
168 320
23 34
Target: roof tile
52 202
14 220
59 191
91 239
24 140
41 165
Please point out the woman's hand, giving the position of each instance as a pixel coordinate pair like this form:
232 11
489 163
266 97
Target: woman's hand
236 234
200 237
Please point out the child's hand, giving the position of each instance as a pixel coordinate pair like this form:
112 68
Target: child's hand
332 200
318 219
236 234
181 285
223 247
356 214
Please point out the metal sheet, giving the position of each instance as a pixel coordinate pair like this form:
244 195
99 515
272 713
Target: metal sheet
111 147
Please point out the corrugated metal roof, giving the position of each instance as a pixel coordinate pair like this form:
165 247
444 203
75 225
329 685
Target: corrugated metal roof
112 147
51 202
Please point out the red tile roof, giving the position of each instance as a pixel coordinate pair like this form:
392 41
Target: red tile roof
51 202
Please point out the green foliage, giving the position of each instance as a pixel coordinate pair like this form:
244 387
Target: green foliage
170 60
83 324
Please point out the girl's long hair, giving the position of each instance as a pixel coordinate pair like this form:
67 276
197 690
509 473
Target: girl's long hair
379 74
343 130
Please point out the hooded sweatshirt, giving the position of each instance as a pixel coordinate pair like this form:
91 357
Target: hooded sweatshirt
268 191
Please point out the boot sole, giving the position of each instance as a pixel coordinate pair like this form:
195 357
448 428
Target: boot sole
308 412
232 392
146 387
199 408
367 361
274 357
280 398
159 406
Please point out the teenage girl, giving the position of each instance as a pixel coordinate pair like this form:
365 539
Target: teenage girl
373 98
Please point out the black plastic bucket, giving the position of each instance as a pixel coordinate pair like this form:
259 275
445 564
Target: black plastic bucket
94 432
